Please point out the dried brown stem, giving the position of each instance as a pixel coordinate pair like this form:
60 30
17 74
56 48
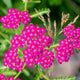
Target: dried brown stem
60 32
41 18
48 14
54 27
64 18
75 19
48 28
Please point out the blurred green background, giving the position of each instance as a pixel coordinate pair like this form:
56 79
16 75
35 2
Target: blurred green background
56 7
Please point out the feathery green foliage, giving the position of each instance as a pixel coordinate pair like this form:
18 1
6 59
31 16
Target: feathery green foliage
41 11
6 71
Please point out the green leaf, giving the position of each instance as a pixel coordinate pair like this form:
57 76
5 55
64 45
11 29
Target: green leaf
3 67
77 51
38 68
27 74
8 3
31 1
5 30
6 71
35 1
41 11
10 31
55 2
38 77
9 73
3 45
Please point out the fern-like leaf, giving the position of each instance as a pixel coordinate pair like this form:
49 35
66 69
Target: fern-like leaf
41 11
6 71
5 30
9 73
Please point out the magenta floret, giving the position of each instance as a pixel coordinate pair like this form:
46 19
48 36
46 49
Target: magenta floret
2 77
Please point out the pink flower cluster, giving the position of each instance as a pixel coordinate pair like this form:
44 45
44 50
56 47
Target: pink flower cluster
12 60
35 35
37 41
2 77
67 46
14 18
64 51
38 55
34 53
73 35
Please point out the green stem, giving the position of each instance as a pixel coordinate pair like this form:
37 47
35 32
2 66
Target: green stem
20 29
19 72
45 77
52 46
26 5
23 27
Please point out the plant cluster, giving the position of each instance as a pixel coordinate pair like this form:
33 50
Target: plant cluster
34 39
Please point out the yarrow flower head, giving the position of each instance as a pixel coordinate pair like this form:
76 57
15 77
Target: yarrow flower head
64 51
37 41
73 35
12 60
39 56
67 46
14 18
35 35
35 51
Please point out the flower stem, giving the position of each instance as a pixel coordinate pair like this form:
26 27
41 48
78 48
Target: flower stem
20 29
45 77
19 72
23 27
26 5
52 46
